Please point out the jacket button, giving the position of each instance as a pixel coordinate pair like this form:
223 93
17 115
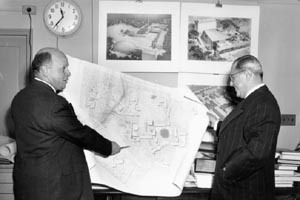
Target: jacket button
224 169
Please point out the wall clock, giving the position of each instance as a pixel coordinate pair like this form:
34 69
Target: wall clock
62 17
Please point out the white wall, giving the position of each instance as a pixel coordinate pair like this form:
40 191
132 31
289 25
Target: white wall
279 46
79 45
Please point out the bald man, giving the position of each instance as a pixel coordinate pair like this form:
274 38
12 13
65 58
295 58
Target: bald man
50 163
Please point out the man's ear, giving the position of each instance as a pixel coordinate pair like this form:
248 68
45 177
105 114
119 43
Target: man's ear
44 70
249 74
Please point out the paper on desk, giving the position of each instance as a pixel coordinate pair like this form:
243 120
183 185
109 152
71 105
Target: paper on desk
8 148
162 128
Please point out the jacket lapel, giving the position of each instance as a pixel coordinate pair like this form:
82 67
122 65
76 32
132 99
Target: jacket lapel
240 107
234 114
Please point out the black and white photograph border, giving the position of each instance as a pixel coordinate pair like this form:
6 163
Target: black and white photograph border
139 36
213 38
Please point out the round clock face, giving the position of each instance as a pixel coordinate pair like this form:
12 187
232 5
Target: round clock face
62 17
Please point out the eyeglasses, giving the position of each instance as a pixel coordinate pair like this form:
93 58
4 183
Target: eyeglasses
231 76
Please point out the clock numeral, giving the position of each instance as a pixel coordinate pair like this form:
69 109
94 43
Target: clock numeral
63 30
74 10
62 4
56 6
51 23
52 10
49 16
76 17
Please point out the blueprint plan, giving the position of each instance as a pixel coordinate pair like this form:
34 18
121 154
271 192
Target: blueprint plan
162 126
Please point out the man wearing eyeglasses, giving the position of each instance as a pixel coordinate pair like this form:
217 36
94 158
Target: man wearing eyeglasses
247 138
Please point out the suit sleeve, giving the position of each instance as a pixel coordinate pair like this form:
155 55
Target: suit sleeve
66 124
260 134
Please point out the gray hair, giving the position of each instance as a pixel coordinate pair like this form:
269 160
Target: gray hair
249 62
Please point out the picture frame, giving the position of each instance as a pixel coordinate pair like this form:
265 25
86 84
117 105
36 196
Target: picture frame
139 36
213 37
213 90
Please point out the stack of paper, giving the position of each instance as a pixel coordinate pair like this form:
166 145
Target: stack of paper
205 163
8 150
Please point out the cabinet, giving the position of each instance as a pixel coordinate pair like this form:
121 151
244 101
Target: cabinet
6 182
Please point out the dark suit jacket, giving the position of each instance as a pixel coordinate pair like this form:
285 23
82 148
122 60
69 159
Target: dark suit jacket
50 162
246 149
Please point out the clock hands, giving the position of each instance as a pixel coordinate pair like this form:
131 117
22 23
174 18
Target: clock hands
61 12
62 16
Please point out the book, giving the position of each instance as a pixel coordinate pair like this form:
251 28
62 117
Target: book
6 177
208 147
6 188
204 180
205 165
290 152
7 166
205 155
287 178
282 166
285 173
190 181
284 185
289 156
284 181
295 162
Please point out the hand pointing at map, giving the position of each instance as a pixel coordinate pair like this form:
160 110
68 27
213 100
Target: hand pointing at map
115 148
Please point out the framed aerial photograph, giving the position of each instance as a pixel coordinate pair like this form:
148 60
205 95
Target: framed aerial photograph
212 90
139 36
213 37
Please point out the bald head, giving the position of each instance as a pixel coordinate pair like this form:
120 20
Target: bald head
44 57
51 65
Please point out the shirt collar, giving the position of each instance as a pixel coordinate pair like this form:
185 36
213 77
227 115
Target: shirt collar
45 83
253 89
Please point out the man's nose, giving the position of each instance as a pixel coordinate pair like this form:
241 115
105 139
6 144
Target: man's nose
68 73
230 82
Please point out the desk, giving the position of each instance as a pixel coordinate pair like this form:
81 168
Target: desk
187 194
6 191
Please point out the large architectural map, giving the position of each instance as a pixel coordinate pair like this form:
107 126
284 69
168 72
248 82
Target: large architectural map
161 127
